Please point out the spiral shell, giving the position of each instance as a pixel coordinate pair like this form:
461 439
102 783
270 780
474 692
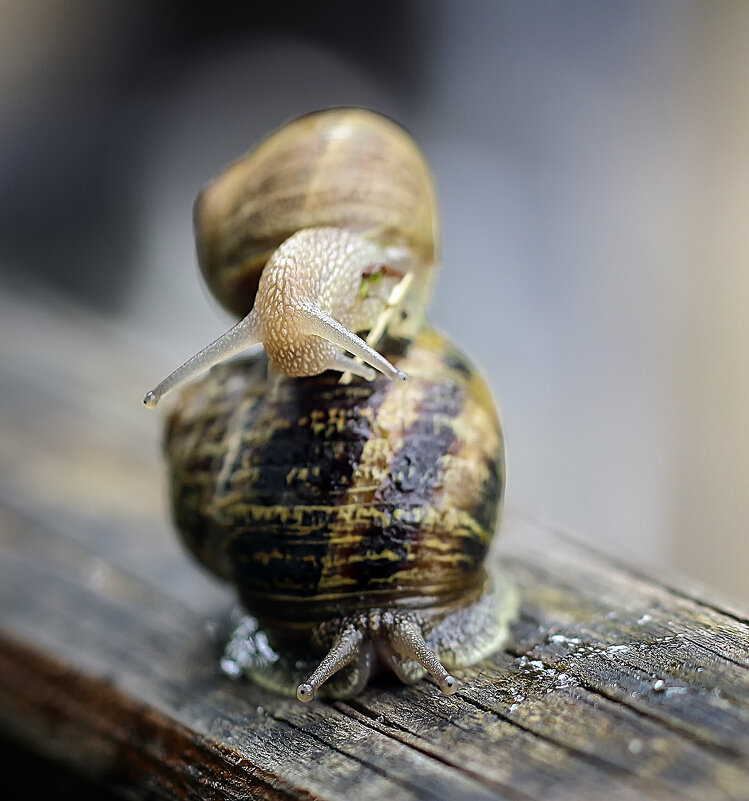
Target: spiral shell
385 492
320 501
348 168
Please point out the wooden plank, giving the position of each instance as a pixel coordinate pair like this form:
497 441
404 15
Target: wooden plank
613 684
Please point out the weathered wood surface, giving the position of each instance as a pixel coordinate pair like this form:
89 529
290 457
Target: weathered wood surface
613 685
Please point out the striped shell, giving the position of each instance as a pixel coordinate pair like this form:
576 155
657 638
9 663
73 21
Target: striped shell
348 168
320 497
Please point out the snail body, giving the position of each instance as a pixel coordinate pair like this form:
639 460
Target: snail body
353 518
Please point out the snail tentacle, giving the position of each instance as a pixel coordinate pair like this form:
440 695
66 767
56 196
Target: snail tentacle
349 366
345 649
408 642
314 320
241 336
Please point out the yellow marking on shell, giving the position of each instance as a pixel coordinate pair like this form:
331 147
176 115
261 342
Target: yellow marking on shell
440 548
436 544
290 515
412 514
366 489
366 412
386 555
332 577
267 426
346 515
266 557
341 519
335 581
297 474
414 576
476 429
398 411
377 596
233 442
467 469
457 522
337 419
354 513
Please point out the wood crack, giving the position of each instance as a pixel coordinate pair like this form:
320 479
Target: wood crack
359 712
413 787
594 759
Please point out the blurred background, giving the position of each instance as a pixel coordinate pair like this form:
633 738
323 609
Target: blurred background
593 166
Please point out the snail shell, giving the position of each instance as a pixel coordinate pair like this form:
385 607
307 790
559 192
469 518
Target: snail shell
344 168
354 519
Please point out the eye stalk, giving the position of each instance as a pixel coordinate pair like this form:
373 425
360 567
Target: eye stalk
308 301
235 340
401 642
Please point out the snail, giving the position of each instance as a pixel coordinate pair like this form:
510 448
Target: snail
353 514
304 237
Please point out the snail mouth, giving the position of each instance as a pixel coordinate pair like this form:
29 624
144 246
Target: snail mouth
392 639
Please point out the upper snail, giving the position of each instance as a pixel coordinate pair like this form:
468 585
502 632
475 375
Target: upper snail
329 227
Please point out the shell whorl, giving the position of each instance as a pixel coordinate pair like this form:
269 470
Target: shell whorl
347 168
321 497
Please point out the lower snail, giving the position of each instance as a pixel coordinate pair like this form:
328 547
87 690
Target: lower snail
353 516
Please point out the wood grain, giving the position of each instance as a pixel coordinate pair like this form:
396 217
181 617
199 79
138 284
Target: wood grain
613 685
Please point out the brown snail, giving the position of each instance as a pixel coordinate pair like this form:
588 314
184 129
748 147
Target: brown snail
353 517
